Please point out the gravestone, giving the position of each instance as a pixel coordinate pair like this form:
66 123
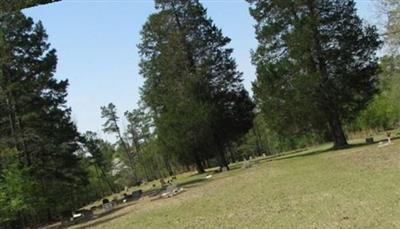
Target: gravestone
246 164
107 207
105 201
66 218
114 202
162 182
369 140
137 194
389 135
126 198
82 215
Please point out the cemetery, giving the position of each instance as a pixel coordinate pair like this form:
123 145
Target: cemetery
293 177
199 114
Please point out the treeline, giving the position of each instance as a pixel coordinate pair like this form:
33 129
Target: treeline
39 169
318 79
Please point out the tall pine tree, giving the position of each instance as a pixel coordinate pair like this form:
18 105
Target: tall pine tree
34 118
316 64
191 83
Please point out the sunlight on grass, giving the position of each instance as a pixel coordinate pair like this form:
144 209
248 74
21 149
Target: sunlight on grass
316 188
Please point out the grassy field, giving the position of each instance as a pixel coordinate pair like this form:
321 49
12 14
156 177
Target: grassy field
357 187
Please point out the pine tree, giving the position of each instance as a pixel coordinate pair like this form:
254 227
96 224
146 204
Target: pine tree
316 64
191 83
34 118
109 113
93 145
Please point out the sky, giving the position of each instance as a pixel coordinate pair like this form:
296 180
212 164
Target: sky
96 43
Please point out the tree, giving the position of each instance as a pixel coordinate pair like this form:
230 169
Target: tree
8 6
34 118
139 125
93 146
316 64
111 126
138 132
383 112
191 83
16 189
392 33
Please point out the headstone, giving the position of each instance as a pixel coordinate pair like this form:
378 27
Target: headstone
81 215
162 182
105 201
369 140
246 164
137 194
114 202
107 207
170 188
94 208
389 134
66 218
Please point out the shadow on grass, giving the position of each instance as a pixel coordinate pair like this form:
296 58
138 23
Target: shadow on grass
189 183
212 171
296 155
320 151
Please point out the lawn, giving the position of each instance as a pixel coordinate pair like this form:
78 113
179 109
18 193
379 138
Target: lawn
357 187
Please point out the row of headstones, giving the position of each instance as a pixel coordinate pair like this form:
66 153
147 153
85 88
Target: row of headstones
109 205
370 140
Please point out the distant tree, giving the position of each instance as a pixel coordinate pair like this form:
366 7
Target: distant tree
109 113
138 133
316 64
139 127
392 33
191 83
384 111
93 146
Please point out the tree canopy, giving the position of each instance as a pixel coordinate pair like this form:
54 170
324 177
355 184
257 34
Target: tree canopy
191 82
34 118
316 64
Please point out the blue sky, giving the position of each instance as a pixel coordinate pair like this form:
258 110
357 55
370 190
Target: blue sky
96 46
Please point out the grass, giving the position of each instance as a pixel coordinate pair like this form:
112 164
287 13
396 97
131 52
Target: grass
357 187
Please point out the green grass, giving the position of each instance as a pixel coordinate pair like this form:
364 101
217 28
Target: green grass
357 187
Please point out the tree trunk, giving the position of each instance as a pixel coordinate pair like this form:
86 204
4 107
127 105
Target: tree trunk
199 165
105 178
223 161
339 138
167 164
